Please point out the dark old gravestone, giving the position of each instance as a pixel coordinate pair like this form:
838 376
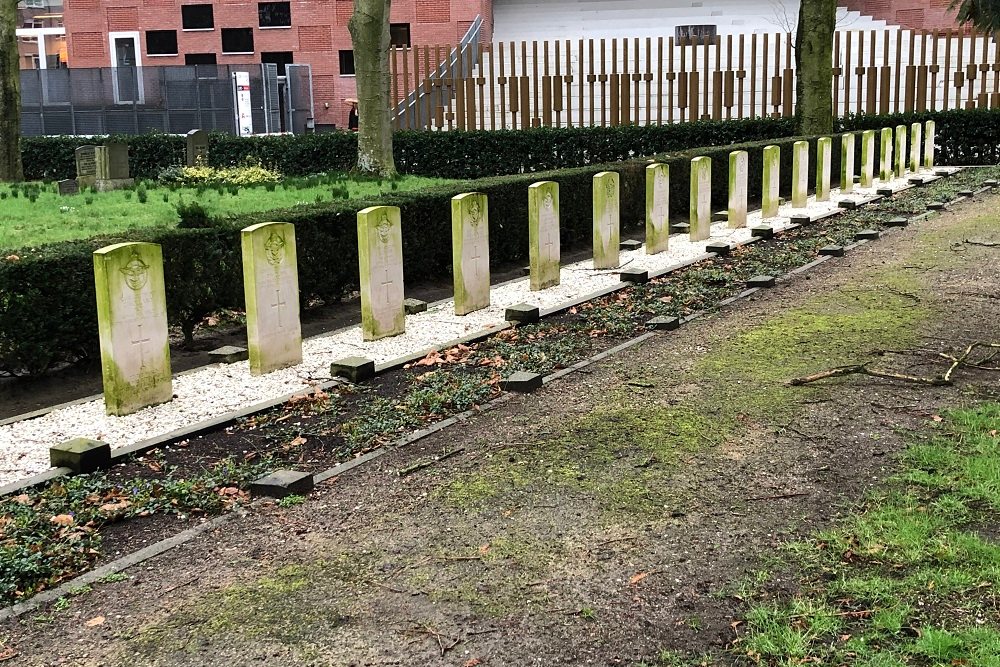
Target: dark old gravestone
69 187
112 167
197 148
86 165
117 160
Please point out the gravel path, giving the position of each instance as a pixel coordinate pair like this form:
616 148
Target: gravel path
216 390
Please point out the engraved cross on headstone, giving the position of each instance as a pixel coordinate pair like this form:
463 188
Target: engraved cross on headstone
278 304
137 339
477 256
547 242
386 284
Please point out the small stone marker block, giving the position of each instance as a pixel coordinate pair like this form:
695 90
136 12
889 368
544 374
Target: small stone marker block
81 455
664 323
414 306
69 186
799 219
832 251
762 231
637 276
523 312
991 183
719 248
525 270
657 208
229 354
522 382
282 483
936 206
630 244
966 193
885 192
679 228
868 235
761 281
897 222
355 369
847 204
942 172
606 220
916 181
720 216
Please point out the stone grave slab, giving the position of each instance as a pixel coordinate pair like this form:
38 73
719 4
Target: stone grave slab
700 207
900 149
824 160
81 455
271 288
380 260
281 484
930 136
739 168
771 198
196 148
916 141
847 163
885 162
543 234
867 176
522 382
132 323
229 354
657 208
523 313
355 369
68 186
832 251
414 306
800 174
86 165
606 220
470 238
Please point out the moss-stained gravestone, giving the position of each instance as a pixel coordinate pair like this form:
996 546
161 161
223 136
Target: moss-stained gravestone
847 163
700 206
929 139
606 220
824 161
901 131
916 133
88 165
885 162
380 260
867 158
470 253
657 208
132 322
739 167
196 148
543 234
271 285
800 174
770 197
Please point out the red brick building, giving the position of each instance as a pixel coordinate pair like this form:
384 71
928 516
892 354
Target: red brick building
106 33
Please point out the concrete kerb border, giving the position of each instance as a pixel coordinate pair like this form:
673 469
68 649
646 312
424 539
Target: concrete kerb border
167 544
393 364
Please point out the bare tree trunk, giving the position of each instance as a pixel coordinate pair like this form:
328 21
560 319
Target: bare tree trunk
814 65
10 95
369 26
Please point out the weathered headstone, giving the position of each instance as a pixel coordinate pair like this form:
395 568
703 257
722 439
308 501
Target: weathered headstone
885 163
86 165
800 174
739 167
271 286
196 148
543 234
132 323
700 207
606 220
470 234
380 259
117 161
901 131
916 132
929 139
847 164
657 208
824 160
867 158
69 186
770 199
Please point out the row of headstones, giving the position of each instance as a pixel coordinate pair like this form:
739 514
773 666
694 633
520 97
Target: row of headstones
130 286
106 167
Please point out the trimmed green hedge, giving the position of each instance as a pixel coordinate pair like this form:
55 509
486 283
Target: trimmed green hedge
47 313
442 154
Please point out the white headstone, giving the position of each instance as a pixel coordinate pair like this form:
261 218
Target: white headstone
470 233
800 174
606 220
700 207
824 160
380 259
867 158
847 163
929 139
657 208
543 234
739 168
770 197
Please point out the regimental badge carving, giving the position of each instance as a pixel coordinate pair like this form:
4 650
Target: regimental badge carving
274 248
382 228
609 190
136 272
548 202
475 213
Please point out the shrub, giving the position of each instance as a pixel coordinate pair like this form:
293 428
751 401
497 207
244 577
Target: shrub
220 178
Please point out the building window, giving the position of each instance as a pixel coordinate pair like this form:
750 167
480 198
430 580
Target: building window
347 63
237 40
399 34
161 42
274 14
280 58
197 17
199 59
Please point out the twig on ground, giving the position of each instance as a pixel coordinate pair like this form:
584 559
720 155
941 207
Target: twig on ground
617 539
779 496
984 244
427 464
176 586
862 369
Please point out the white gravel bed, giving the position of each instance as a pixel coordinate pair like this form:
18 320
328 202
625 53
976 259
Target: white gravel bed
215 390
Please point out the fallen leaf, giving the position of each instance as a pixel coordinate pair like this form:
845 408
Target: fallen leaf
95 621
638 577
62 520
12 258
484 549
937 418
298 442
115 507
23 499
472 662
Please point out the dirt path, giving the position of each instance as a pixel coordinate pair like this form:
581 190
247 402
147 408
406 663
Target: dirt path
609 519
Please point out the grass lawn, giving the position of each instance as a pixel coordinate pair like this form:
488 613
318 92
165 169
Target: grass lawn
912 578
52 217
